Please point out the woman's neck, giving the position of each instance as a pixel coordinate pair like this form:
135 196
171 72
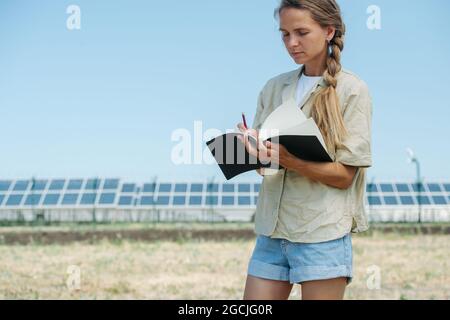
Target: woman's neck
313 71
316 67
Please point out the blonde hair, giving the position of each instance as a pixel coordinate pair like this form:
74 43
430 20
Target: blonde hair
325 110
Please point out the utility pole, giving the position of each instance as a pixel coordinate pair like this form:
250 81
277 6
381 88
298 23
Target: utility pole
95 186
211 204
414 159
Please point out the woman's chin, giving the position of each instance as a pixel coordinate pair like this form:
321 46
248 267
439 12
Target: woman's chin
298 60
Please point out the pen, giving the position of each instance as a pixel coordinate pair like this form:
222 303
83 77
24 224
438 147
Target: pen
245 122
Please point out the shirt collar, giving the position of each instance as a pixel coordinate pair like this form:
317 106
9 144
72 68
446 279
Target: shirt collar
291 84
295 76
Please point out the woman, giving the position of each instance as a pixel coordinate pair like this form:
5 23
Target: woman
307 211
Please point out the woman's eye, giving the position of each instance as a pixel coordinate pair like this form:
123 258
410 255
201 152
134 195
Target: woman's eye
303 33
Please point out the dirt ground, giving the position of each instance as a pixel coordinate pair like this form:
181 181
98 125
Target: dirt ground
407 267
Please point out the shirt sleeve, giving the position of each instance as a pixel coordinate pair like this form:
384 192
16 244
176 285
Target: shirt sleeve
257 122
356 149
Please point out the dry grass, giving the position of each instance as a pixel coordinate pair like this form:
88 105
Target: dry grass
412 267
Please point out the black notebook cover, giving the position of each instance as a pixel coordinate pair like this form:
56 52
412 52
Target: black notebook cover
233 159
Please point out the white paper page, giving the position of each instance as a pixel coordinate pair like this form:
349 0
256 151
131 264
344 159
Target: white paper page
285 116
307 128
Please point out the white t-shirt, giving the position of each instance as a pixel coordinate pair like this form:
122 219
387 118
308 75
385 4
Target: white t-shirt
305 83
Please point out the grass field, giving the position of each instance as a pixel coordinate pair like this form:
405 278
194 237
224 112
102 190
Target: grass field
411 267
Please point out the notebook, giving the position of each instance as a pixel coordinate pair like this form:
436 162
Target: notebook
286 125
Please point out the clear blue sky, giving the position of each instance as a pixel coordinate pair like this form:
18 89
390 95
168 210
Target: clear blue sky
104 100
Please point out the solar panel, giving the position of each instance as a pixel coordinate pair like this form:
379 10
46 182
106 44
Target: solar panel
69 198
386 187
43 192
179 200
4 185
14 200
415 187
403 187
163 200
181 187
57 185
371 187
165 187
439 200
92 184
21 185
125 200
88 198
128 187
75 184
244 187
196 187
390 200
38 185
33 199
434 187
424 200
147 201
195 200
149 187
244 200
228 201
212 187
51 199
374 200
111 184
228 188
407 200
107 198
212 200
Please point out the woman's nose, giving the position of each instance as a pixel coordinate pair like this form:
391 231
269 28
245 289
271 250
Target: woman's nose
293 42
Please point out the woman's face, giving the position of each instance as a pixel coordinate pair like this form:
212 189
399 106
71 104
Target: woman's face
303 37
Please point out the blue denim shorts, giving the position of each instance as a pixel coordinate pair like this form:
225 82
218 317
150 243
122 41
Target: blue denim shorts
280 259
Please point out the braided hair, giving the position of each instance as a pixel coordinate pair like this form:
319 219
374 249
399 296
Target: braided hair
326 111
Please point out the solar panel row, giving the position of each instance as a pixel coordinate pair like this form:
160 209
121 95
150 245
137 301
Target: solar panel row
88 192
53 199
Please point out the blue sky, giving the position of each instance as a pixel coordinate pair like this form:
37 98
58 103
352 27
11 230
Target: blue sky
104 100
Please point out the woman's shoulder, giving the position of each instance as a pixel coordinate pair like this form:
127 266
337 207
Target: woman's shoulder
281 79
350 83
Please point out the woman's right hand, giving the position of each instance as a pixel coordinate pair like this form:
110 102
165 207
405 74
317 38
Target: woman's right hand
256 152
251 148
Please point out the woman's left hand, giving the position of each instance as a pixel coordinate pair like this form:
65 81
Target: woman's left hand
279 154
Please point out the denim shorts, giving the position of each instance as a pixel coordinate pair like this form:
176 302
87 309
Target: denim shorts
280 259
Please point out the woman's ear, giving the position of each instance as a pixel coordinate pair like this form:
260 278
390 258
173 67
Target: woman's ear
330 32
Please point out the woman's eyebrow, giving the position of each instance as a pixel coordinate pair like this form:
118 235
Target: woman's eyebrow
297 29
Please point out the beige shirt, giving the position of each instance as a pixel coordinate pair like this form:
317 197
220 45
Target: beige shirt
296 208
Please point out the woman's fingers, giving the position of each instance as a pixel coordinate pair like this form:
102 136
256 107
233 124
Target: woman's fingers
248 145
241 127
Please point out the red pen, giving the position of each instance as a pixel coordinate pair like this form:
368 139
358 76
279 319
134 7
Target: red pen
245 122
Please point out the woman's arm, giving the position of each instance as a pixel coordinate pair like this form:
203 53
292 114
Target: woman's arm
334 174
